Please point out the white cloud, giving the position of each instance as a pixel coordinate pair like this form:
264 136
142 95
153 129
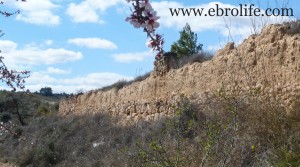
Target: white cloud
93 43
130 57
91 81
7 46
96 79
239 26
89 11
52 70
83 13
39 78
48 42
32 55
37 12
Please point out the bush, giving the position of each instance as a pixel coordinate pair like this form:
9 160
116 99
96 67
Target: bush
122 83
118 85
141 77
185 118
286 157
199 58
187 43
17 133
167 143
5 117
42 110
293 27
44 156
225 130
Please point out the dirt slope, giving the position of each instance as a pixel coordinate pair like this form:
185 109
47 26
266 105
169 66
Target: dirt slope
268 62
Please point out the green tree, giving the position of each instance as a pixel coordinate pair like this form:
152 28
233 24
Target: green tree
187 43
46 91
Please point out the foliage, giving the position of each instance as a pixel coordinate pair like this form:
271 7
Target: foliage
293 27
10 103
185 118
18 108
5 117
142 77
158 152
43 110
224 131
200 57
40 156
287 157
187 43
122 83
46 91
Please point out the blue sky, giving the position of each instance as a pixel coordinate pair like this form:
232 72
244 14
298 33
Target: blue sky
86 44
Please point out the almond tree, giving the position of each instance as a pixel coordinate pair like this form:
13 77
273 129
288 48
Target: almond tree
12 78
144 16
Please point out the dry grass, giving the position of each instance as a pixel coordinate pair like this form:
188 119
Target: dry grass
200 57
122 83
224 131
293 27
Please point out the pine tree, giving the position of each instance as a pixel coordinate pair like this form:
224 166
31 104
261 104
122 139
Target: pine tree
187 43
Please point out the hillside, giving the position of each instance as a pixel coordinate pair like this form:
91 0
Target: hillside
25 106
267 63
242 108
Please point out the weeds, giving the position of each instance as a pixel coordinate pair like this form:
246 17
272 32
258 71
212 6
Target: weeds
225 130
122 83
199 57
293 27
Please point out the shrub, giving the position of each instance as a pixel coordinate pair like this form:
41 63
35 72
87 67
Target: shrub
225 130
44 156
17 132
168 142
187 43
5 117
42 110
185 118
293 27
285 157
141 77
122 83
118 85
199 57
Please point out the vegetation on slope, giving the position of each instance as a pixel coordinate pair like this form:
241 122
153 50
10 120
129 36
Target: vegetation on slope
224 131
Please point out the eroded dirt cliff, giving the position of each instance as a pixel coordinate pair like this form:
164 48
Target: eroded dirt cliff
268 63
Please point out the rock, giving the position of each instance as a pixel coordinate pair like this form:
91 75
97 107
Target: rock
167 62
226 50
275 73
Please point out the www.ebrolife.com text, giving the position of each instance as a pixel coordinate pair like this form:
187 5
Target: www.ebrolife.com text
241 10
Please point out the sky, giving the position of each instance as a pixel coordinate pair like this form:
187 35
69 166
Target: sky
81 45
